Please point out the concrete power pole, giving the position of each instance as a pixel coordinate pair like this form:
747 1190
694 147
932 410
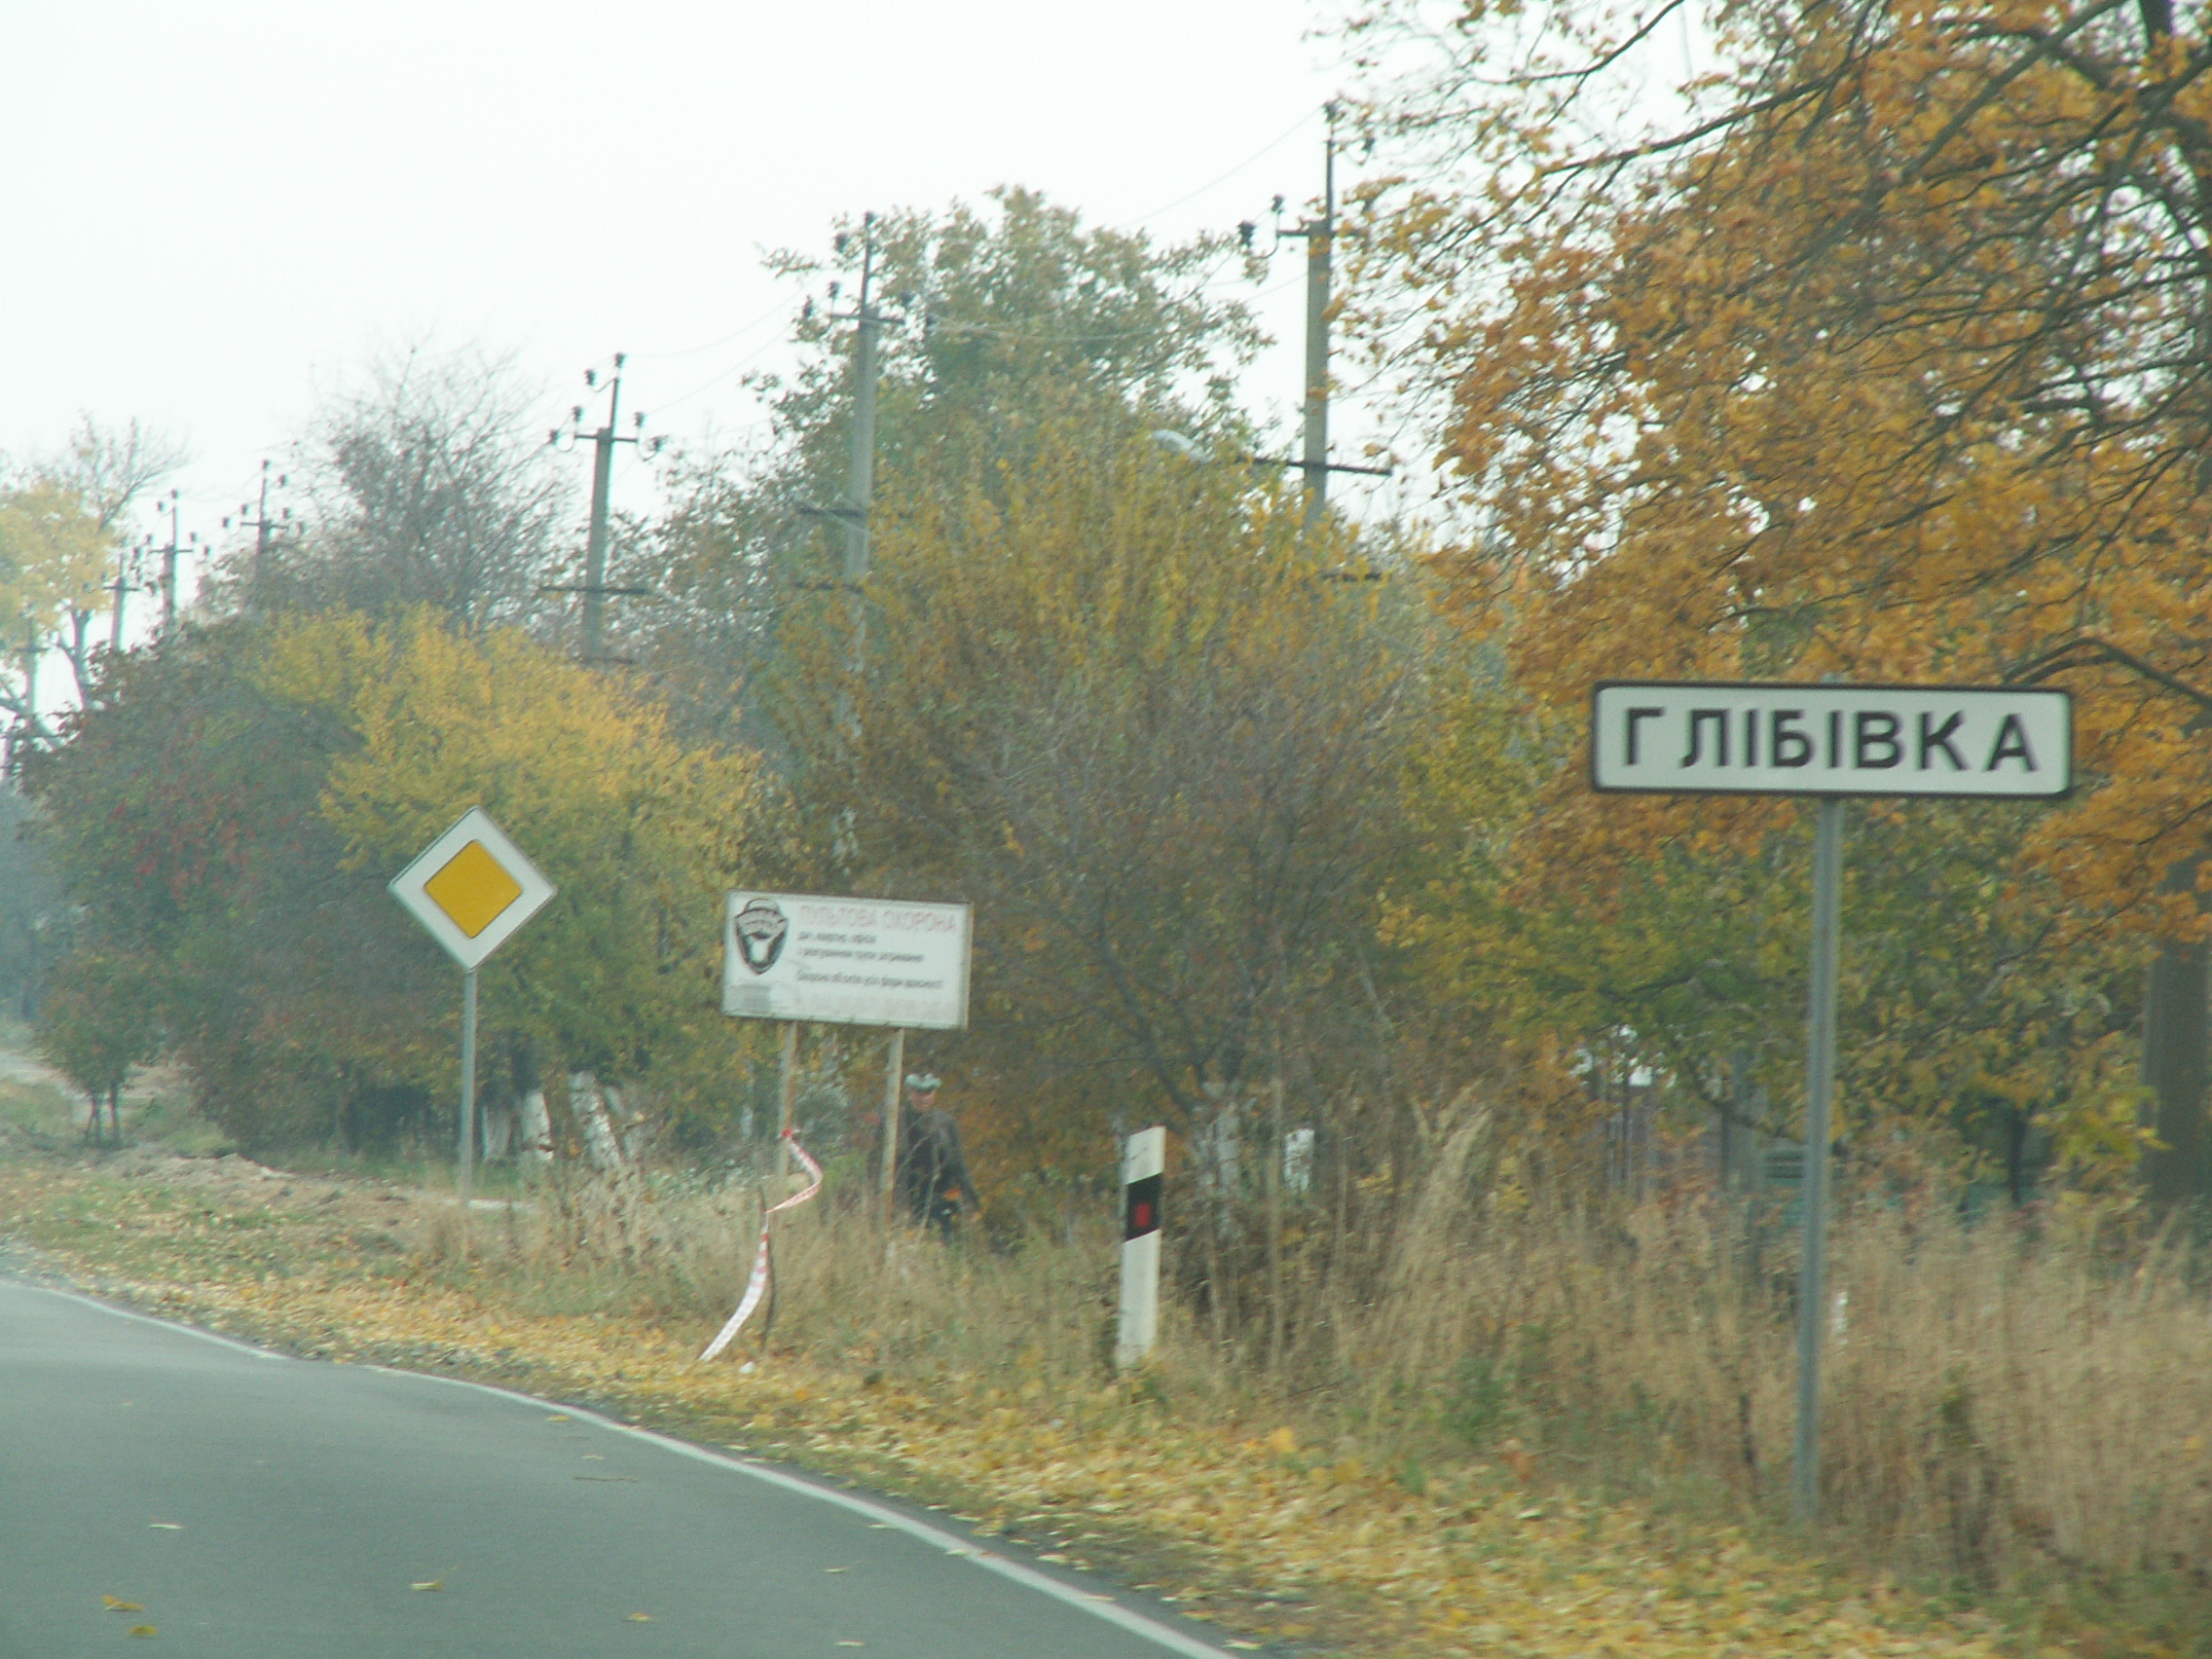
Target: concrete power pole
595 548
264 535
859 499
31 655
1320 235
860 474
594 586
859 487
860 471
171 554
129 569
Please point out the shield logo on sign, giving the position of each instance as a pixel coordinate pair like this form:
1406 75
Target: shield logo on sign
762 929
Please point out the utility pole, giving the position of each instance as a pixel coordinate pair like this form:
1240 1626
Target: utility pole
31 655
860 489
177 548
119 587
594 586
1320 235
263 532
129 569
595 548
859 471
167 582
859 499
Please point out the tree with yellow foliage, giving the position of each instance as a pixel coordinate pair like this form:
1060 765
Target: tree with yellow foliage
62 523
642 836
1887 361
1008 313
229 810
1114 698
53 558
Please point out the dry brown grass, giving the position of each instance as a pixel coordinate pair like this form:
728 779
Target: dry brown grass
2008 1414
1999 1409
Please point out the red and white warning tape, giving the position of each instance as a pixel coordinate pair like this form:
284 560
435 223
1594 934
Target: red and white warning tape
757 1287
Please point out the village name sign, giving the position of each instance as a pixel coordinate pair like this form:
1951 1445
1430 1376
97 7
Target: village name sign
1706 738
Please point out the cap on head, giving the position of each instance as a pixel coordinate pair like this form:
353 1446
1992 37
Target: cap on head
921 1081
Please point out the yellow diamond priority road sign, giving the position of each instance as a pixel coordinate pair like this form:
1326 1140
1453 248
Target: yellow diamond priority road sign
472 888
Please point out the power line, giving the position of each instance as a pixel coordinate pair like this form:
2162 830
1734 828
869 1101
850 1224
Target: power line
1263 149
693 351
721 374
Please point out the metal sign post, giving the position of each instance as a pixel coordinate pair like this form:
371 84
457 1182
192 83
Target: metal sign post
1826 742
471 888
1819 1103
468 1093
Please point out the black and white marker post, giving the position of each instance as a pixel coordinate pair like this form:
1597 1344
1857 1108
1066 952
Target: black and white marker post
1829 743
1144 1159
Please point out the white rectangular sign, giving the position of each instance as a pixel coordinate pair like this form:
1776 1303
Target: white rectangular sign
1674 737
845 961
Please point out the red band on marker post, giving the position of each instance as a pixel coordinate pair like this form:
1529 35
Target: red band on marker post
1140 1208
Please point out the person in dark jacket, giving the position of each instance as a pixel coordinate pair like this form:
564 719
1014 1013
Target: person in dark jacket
932 1180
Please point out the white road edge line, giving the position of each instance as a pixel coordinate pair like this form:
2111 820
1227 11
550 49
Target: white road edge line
1113 1613
94 1302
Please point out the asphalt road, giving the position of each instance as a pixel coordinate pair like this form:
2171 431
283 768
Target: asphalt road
255 1505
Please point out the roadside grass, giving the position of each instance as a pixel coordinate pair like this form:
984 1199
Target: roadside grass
1524 1432
36 1111
167 1121
973 1381
45 1112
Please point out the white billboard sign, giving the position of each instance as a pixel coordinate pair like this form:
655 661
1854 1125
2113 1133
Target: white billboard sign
845 961
1675 737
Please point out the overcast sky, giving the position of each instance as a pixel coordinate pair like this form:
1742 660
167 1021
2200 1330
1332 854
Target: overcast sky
216 208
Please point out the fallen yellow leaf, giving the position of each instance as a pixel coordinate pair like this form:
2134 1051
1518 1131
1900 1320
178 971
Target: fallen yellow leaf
640 1618
117 1605
430 1584
1470 1566
1522 1461
142 1629
166 1525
